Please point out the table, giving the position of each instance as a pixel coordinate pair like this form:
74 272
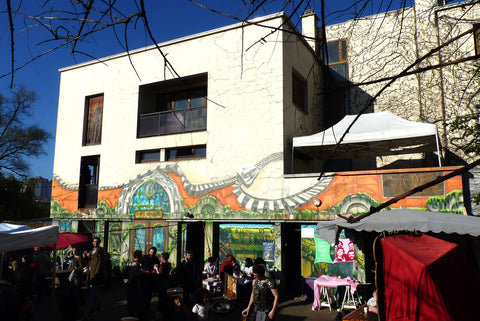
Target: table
358 315
213 285
320 291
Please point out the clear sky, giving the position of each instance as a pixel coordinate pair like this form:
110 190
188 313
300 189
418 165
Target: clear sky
169 19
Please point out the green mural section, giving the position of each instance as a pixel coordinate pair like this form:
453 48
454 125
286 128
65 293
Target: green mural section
248 240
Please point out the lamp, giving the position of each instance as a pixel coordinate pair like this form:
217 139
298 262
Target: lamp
317 202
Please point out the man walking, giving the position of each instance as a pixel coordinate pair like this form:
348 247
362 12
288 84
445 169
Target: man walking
96 273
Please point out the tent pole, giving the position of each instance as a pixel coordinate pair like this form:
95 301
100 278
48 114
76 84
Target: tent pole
438 150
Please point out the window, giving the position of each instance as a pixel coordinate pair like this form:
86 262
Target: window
186 152
299 91
173 106
476 38
337 52
92 128
147 156
88 183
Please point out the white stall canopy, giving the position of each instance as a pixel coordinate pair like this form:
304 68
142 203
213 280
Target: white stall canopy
17 237
375 134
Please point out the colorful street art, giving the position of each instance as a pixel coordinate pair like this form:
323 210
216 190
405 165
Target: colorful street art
166 193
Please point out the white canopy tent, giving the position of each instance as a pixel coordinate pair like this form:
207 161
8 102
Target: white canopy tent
17 237
375 134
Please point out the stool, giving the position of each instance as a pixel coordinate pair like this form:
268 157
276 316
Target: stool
349 301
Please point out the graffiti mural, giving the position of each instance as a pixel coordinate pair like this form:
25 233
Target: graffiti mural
166 193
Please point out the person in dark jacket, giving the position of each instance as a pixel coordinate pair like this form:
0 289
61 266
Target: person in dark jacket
148 264
96 273
192 276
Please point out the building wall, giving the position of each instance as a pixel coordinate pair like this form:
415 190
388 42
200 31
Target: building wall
251 121
381 46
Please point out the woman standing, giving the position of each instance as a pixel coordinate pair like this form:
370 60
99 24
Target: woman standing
264 296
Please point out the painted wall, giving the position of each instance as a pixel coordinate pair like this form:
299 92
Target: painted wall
383 45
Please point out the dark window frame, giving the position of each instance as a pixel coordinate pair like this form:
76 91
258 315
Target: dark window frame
342 52
93 120
88 181
476 38
186 152
139 159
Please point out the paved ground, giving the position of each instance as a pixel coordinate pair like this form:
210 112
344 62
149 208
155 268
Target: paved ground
115 307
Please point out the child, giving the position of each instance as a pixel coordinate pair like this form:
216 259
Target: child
178 310
201 308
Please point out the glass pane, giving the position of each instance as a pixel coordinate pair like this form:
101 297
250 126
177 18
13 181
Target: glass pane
148 125
172 123
149 156
333 52
196 119
200 151
344 50
158 238
181 104
140 233
197 102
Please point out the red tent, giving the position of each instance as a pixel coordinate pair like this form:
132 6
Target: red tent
426 278
67 239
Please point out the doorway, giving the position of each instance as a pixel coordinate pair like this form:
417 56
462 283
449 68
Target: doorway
195 241
148 233
291 280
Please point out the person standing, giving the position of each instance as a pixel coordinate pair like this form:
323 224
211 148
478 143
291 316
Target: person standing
96 273
135 284
264 295
192 276
148 264
163 273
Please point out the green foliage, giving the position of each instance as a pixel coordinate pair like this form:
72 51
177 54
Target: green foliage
17 199
19 141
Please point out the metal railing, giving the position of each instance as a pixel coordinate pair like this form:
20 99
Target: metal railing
172 122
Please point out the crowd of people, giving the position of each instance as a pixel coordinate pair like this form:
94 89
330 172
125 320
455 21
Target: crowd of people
29 278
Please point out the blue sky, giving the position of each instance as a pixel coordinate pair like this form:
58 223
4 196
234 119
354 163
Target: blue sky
169 19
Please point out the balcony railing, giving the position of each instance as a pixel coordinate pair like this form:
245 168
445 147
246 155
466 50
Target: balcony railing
172 122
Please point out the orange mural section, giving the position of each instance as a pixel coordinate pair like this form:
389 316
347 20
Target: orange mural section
371 183
110 196
68 199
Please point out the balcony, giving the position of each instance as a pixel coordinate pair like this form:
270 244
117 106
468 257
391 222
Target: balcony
172 122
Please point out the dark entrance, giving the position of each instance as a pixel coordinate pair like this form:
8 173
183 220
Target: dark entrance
291 281
195 240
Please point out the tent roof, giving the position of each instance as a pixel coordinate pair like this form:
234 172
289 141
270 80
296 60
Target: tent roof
16 237
404 220
374 134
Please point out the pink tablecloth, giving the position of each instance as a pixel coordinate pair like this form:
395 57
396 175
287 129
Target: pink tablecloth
330 282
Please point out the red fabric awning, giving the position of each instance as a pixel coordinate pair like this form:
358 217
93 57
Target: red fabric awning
71 239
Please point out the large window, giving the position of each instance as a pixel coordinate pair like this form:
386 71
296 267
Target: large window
173 106
92 128
88 184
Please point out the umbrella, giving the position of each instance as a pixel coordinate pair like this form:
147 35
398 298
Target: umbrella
71 239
